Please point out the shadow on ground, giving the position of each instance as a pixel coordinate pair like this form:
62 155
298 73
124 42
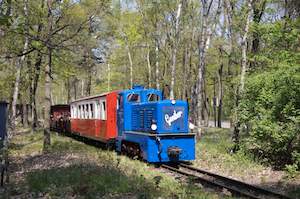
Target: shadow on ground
291 189
19 146
88 180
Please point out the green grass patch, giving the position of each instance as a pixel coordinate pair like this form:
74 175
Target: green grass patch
88 180
213 151
94 173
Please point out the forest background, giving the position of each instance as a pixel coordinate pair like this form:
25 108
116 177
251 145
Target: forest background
236 60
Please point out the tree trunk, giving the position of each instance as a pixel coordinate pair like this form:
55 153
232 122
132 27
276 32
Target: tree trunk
48 80
194 104
89 82
149 67
31 78
204 41
215 104
244 48
157 63
240 89
24 114
174 50
75 88
68 87
131 66
201 67
230 13
206 109
220 95
47 139
19 68
185 73
82 87
258 8
37 72
173 68
189 71
108 77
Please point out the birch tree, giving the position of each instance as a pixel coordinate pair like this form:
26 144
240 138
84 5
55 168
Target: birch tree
19 65
48 79
204 40
236 132
174 49
244 46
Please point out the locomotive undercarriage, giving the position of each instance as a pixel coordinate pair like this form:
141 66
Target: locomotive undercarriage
131 149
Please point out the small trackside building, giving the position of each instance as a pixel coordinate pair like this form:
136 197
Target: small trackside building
3 119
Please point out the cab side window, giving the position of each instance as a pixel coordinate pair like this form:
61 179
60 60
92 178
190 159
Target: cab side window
152 97
133 97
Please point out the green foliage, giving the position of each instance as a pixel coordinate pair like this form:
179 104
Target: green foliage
281 43
270 108
292 170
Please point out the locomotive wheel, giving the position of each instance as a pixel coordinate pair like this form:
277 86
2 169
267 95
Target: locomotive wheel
123 149
132 150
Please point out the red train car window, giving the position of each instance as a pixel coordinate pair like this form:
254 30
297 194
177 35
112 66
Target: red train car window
103 110
92 111
86 111
79 111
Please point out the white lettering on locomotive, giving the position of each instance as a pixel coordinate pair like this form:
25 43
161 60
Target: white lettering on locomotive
174 117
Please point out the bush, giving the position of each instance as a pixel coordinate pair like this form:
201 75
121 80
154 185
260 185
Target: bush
270 107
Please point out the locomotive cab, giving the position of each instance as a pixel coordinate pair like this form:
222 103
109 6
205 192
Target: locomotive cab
130 101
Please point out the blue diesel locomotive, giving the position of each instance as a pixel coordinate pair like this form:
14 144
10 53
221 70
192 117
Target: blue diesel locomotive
154 129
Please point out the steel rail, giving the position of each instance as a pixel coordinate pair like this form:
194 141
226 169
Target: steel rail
238 187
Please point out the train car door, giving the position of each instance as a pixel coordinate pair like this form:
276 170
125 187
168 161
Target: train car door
120 114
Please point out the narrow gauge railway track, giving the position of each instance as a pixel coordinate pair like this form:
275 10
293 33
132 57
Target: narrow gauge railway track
215 180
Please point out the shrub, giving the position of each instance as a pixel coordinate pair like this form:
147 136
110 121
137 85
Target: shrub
270 107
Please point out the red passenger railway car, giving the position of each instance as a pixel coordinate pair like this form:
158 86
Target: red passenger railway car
95 117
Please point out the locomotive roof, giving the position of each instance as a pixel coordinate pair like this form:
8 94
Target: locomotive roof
140 89
93 96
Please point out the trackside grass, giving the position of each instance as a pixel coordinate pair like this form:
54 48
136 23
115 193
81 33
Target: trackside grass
213 153
72 169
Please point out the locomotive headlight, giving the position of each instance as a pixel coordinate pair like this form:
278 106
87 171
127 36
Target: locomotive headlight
153 127
173 101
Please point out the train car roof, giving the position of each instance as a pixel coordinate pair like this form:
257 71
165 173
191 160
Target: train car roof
60 105
93 96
